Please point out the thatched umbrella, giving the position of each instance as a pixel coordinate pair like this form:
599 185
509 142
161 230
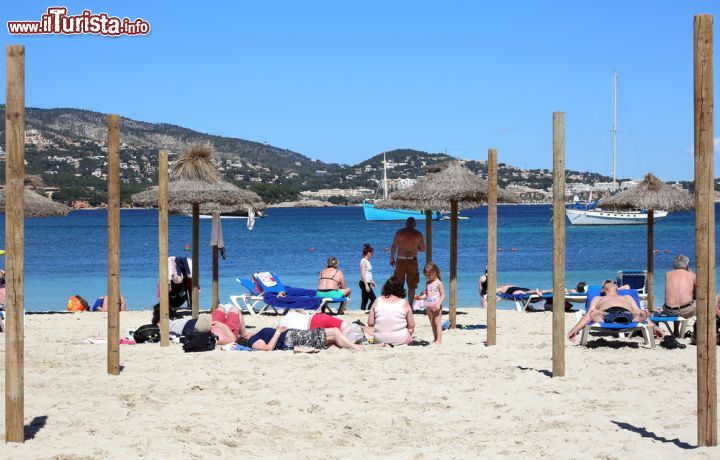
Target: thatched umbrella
37 205
194 180
651 194
452 185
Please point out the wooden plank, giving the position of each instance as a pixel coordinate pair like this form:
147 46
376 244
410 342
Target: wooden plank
705 231
558 332
195 260
453 263
492 248
113 256
163 248
14 244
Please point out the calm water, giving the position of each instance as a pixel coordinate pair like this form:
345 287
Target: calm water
67 255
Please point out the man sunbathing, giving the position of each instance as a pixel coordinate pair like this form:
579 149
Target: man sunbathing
602 304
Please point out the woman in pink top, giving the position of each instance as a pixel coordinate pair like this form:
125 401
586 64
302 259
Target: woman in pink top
391 315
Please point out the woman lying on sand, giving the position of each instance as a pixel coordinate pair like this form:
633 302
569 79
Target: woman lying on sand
269 339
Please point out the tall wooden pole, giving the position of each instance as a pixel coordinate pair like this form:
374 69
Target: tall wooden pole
428 236
195 260
215 294
453 262
113 258
163 248
705 232
558 244
14 244
650 261
492 247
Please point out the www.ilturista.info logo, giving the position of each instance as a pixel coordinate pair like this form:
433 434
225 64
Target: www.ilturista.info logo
57 21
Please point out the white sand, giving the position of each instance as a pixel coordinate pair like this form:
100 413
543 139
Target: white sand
461 400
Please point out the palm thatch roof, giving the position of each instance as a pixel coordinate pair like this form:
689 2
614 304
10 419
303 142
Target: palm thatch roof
442 206
454 183
209 208
651 193
194 179
37 205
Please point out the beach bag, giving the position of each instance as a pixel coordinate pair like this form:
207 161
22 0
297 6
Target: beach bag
199 341
77 303
148 333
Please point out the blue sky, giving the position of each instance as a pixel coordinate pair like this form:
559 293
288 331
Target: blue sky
342 81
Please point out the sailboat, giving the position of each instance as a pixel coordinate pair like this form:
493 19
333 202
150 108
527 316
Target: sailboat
580 213
374 214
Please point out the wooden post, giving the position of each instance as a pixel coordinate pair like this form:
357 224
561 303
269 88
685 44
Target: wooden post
215 294
113 258
453 263
14 244
163 248
650 261
492 247
195 260
428 236
705 232
558 322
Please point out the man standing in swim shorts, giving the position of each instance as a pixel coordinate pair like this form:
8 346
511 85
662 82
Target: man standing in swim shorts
408 242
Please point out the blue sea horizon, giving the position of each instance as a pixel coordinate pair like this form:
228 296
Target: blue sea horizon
65 256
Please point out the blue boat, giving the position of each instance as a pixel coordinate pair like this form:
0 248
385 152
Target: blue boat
374 214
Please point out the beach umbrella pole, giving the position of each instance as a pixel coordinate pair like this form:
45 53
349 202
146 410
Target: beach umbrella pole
558 320
14 244
453 262
428 236
163 248
492 248
215 294
195 260
650 261
705 231
113 255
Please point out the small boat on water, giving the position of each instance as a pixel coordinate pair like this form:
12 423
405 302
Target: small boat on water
372 213
582 213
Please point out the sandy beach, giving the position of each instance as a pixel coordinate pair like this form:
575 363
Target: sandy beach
461 400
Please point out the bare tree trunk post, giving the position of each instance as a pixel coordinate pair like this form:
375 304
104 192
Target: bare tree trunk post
195 260
163 249
113 261
492 248
650 261
215 294
453 262
15 244
428 236
705 232
558 244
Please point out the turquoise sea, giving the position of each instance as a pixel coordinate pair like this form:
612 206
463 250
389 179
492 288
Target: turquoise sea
67 255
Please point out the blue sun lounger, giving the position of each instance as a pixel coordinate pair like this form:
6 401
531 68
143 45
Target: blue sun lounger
266 294
523 301
615 328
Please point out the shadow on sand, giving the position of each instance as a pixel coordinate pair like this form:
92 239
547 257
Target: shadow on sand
643 432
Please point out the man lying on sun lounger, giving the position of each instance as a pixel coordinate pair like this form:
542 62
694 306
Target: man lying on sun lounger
514 290
611 302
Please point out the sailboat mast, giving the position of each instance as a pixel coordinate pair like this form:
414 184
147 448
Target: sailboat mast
614 129
385 187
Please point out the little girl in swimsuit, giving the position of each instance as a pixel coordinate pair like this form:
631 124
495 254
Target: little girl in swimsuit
431 300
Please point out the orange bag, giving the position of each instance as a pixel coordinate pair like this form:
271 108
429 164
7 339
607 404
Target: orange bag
77 303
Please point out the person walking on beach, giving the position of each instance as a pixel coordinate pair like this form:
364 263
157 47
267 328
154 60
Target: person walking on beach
366 278
407 242
680 289
431 300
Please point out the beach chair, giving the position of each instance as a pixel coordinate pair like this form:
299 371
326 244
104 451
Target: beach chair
667 320
617 329
264 294
636 279
524 302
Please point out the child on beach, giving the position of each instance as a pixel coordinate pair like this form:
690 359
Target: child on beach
431 300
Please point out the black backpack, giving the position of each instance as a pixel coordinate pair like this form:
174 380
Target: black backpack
199 341
149 333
